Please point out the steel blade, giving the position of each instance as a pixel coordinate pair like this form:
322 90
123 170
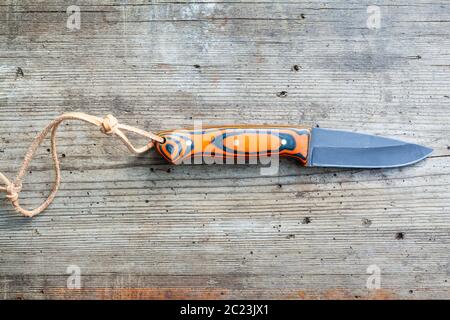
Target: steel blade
335 148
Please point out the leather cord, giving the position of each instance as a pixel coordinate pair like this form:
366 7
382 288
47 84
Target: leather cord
108 125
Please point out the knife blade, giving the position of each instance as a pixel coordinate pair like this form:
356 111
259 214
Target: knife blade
335 148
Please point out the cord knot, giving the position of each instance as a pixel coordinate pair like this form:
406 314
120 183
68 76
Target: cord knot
12 192
109 124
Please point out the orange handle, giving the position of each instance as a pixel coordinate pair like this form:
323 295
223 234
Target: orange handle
228 143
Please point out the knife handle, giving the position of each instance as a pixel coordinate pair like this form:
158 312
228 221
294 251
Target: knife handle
224 144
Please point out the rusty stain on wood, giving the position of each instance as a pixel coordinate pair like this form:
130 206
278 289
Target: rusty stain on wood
162 293
138 293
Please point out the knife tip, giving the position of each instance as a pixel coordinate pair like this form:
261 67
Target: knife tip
425 152
428 151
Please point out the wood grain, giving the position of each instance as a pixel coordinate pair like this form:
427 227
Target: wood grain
139 228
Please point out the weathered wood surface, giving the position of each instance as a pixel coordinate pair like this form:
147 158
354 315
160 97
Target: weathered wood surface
140 228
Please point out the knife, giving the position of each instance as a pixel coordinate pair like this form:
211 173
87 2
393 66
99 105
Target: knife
312 147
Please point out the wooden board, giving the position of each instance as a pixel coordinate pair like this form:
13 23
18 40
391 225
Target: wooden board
140 228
